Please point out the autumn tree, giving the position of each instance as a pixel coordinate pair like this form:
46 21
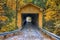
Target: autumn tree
52 14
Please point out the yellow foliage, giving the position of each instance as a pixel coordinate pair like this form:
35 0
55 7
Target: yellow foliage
3 18
51 3
21 2
29 1
50 14
3 29
48 18
9 27
11 4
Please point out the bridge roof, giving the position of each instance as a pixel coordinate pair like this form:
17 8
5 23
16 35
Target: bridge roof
30 4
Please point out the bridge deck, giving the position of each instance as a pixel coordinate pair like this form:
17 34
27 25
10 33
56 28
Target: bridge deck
28 35
31 35
28 32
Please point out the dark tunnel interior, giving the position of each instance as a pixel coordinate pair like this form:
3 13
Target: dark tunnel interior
33 16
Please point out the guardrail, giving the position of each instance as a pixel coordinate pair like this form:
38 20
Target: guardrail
6 33
51 34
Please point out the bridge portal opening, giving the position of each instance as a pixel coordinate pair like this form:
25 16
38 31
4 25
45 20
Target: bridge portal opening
34 18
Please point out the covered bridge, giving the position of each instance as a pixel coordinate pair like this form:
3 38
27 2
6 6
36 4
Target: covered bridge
30 10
